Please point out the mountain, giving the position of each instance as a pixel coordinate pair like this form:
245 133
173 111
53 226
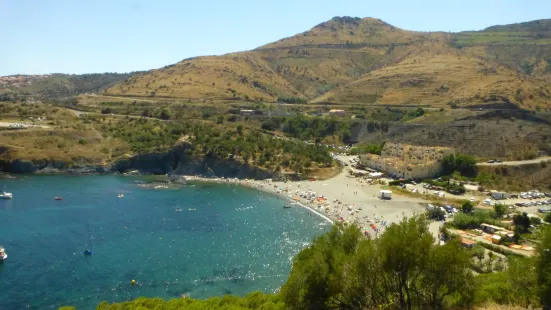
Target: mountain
56 86
365 60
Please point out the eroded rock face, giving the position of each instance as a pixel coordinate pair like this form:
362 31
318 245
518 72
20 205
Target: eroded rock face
178 161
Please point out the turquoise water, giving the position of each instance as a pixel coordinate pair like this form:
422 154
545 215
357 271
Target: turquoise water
237 240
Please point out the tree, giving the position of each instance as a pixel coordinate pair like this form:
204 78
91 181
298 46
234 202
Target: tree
500 210
269 124
464 164
318 279
165 114
448 164
401 269
436 214
479 252
220 119
467 207
522 221
521 273
414 240
447 273
543 267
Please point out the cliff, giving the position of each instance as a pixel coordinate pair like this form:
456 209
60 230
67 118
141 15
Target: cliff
174 161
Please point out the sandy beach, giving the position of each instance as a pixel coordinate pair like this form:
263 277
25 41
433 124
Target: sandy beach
341 198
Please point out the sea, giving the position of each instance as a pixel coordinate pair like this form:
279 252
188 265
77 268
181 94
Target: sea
200 239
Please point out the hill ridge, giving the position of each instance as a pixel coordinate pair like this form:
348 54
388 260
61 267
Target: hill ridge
393 66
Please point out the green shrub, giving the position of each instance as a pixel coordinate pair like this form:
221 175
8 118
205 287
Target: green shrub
367 149
464 164
473 220
269 124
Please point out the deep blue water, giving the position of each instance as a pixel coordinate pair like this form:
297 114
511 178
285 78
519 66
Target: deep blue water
237 240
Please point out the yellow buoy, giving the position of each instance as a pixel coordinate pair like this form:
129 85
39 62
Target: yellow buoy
133 282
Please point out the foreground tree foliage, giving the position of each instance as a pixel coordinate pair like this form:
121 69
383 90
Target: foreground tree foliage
402 269
543 267
255 300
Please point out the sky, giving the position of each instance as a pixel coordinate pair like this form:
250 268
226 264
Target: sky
78 36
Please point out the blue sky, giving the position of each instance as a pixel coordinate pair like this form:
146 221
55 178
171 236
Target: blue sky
77 36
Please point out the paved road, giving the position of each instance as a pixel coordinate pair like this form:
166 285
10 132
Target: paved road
517 162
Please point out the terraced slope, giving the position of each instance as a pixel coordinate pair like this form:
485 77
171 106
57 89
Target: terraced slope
353 60
439 75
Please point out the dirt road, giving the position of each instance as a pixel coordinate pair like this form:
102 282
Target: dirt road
517 162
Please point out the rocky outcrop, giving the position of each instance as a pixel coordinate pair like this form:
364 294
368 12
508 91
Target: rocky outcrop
178 161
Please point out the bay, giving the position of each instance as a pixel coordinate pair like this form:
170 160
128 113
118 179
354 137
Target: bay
202 240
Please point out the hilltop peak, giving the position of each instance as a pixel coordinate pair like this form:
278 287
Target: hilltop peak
350 21
347 30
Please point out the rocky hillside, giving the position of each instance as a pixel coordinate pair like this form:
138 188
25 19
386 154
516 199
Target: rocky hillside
56 86
354 60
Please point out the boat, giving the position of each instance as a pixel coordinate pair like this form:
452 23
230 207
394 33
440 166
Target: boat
287 206
58 198
88 252
120 196
6 195
3 254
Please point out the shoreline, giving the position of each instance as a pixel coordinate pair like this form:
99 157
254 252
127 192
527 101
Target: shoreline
338 199
255 184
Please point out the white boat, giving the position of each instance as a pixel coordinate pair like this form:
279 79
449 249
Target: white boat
3 254
6 195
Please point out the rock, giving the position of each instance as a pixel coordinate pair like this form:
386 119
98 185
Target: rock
174 162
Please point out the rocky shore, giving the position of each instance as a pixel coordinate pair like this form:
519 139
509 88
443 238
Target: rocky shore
155 163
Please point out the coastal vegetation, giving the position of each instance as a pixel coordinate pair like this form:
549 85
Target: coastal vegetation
307 128
402 269
102 138
219 142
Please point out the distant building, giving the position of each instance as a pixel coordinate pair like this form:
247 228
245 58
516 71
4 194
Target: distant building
407 161
492 229
499 195
336 112
247 112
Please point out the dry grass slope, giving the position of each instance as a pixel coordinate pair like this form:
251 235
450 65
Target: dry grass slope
353 60
232 76
439 75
